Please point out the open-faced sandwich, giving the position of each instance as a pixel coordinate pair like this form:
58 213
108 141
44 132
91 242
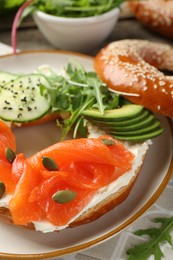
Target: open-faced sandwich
76 181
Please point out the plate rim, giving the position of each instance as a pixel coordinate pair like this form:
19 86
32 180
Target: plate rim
126 223
20 53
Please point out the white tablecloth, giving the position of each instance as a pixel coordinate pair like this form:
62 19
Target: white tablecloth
115 248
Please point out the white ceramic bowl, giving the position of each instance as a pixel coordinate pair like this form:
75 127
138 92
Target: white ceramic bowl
76 34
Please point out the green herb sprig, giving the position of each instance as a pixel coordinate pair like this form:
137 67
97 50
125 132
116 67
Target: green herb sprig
8 6
62 8
75 8
152 246
74 92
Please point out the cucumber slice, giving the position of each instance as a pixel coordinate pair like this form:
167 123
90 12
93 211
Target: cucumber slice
6 77
21 100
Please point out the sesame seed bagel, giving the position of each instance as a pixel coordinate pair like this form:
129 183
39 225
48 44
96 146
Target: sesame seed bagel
155 14
132 67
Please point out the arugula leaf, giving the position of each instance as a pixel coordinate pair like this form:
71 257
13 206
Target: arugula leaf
97 84
27 11
60 8
76 8
152 246
74 91
9 6
74 117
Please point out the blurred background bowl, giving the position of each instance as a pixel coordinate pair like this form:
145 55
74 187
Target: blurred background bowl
76 34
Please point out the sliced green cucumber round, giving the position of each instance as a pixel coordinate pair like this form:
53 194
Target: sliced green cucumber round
21 100
6 77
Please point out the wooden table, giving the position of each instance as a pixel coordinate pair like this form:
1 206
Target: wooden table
30 38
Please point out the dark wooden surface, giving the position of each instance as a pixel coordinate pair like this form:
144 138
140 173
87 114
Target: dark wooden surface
30 38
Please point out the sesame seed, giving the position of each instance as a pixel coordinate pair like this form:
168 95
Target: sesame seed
29 108
23 99
7 102
163 90
162 83
19 115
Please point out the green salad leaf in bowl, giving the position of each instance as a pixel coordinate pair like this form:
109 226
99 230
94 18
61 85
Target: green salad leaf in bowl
8 6
76 8
77 25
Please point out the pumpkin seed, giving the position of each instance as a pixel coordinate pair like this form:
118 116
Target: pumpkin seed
10 154
64 196
107 142
49 163
2 189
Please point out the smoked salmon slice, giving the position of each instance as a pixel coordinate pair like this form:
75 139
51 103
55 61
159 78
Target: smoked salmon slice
18 167
85 150
6 177
88 160
23 211
83 166
33 201
7 140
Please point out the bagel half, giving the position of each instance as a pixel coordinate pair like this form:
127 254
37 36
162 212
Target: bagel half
133 69
104 200
156 15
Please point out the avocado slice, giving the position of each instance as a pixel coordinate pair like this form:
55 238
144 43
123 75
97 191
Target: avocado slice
127 122
125 112
140 138
144 130
142 124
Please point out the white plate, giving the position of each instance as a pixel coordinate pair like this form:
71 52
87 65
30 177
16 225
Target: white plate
19 243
